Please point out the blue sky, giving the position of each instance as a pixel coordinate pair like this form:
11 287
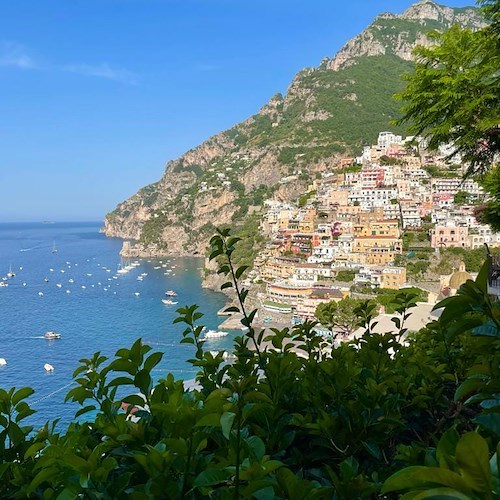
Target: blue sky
97 95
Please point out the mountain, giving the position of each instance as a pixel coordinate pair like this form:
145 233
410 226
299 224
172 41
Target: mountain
328 112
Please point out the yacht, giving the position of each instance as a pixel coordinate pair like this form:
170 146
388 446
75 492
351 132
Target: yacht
51 335
10 274
170 293
215 334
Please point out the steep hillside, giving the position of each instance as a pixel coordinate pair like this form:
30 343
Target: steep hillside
327 112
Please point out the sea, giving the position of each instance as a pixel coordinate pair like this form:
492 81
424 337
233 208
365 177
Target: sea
66 281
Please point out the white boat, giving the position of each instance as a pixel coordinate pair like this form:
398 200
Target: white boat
51 335
54 248
169 301
10 274
215 334
48 368
2 284
3 362
40 294
170 293
137 294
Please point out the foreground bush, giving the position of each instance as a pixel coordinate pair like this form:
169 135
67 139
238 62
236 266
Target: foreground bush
367 419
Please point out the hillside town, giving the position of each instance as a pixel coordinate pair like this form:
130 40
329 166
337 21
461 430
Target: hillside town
374 222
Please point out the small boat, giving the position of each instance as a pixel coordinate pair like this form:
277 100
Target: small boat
170 293
169 301
137 294
51 335
10 274
48 368
215 334
3 362
2 284
40 294
54 248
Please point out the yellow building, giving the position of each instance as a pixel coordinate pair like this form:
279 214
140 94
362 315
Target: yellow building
378 250
393 277
279 268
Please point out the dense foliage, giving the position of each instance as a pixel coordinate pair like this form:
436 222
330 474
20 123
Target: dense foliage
383 413
453 94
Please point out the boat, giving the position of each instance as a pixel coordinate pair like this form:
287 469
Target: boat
48 368
215 334
51 335
3 362
170 293
54 248
10 274
169 301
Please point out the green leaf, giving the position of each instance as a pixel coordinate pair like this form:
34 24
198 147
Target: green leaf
240 271
120 381
467 386
446 448
419 476
472 457
142 380
227 284
490 421
82 411
33 450
210 477
44 475
21 394
226 422
152 361
210 420
436 494
373 449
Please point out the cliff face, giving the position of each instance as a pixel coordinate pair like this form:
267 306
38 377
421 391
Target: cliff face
327 112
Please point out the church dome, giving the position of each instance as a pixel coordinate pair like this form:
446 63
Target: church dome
458 278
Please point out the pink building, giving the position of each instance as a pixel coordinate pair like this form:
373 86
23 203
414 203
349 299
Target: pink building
450 236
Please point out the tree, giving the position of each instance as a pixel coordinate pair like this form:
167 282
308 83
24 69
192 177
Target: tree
460 197
453 95
489 213
339 316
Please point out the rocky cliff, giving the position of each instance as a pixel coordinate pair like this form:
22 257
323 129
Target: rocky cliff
327 113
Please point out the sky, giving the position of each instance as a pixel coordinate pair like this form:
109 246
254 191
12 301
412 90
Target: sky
97 95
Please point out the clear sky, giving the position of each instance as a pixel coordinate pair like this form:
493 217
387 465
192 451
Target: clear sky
97 95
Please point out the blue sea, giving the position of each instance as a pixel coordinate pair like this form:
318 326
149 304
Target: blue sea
77 292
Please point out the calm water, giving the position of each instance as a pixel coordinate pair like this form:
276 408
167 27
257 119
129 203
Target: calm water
94 308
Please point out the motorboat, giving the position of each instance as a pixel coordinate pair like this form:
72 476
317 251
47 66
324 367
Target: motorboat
48 368
51 335
215 334
169 301
170 293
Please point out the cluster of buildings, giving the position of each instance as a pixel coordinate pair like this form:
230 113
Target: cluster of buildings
353 221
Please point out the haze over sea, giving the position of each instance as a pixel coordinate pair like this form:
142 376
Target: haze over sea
98 310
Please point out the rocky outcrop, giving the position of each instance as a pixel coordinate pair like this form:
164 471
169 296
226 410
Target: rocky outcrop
400 34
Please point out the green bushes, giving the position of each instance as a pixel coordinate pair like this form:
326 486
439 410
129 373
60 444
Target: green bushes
328 423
